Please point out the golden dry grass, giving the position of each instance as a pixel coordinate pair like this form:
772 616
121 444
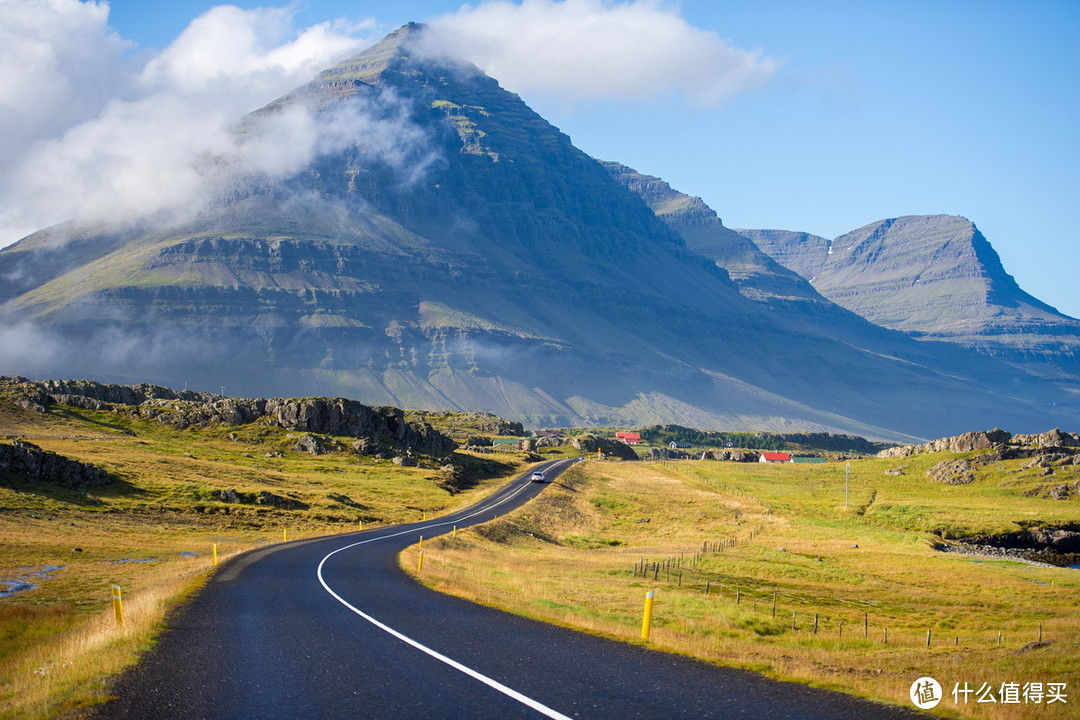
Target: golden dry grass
152 532
569 557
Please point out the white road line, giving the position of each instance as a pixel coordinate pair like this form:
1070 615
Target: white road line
495 684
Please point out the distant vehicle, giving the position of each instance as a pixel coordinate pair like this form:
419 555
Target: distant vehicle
539 477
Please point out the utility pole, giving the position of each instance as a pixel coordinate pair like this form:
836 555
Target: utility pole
847 479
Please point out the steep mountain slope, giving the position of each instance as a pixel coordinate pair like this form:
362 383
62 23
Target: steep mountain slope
756 274
933 277
800 252
448 248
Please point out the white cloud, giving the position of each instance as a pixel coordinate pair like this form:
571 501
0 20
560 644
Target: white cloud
247 51
597 49
88 134
59 65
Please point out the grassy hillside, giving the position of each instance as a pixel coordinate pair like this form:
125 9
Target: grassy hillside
722 542
151 531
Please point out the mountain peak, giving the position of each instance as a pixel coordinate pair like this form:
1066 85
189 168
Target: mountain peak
932 276
389 52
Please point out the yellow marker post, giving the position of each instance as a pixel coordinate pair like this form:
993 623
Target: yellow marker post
646 620
454 533
421 543
284 535
420 562
118 604
214 546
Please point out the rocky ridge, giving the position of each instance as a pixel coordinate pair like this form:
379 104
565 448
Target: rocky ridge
374 427
1009 446
935 277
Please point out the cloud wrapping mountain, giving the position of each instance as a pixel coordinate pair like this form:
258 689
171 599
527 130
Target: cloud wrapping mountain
585 50
91 130
87 132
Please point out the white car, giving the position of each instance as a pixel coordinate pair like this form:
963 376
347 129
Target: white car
539 477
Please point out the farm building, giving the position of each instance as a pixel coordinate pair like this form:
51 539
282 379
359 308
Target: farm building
629 437
675 445
775 457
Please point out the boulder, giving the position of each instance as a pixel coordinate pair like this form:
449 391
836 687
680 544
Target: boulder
315 444
229 496
952 472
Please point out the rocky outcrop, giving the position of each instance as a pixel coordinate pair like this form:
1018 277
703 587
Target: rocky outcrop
952 472
1053 545
1053 448
967 442
26 460
1053 438
116 394
462 423
316 444
729 455
1063 491
377 426
662 453
610 448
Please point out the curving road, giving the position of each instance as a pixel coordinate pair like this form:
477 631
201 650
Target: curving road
331 628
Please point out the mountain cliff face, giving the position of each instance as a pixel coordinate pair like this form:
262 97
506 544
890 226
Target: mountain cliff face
757 275
933 277
447 248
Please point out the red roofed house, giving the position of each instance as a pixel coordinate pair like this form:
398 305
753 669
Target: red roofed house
630 438
768 457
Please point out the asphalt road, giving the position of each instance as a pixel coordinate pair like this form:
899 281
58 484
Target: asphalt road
331 628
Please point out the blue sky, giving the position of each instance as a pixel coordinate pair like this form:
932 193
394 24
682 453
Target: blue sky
868 111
